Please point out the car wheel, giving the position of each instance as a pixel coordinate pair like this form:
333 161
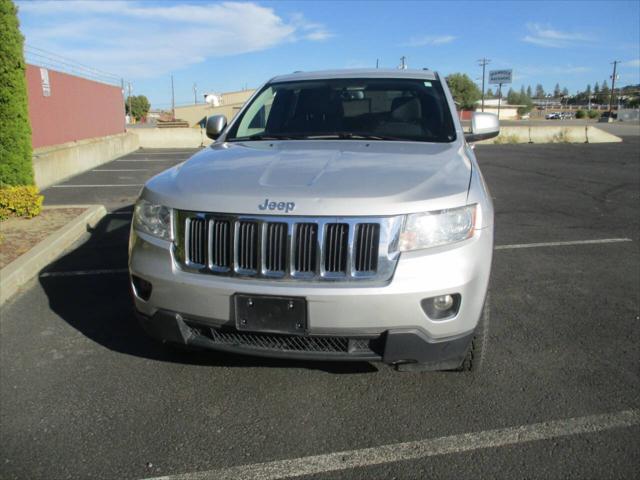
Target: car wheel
474 358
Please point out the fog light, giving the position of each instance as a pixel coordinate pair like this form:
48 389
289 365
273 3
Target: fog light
443 302
441 307
141 287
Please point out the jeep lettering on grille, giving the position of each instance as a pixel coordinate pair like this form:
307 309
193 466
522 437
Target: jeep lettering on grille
280 206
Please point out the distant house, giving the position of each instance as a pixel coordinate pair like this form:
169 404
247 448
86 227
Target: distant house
507 111
227 104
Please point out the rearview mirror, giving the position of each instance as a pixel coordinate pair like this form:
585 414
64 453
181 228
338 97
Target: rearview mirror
215 126
483 127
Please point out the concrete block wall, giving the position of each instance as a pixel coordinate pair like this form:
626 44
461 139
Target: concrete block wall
53 164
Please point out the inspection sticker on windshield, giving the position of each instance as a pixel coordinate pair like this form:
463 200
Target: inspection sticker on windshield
427 84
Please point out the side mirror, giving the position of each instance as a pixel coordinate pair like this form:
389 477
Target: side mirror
483 127
215 126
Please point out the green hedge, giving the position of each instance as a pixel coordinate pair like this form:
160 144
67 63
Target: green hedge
15 132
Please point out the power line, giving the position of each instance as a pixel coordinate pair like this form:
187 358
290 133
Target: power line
483 62
58 62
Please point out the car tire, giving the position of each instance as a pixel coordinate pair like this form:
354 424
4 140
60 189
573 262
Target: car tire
474 358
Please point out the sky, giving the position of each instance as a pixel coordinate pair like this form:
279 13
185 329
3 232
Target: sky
229 46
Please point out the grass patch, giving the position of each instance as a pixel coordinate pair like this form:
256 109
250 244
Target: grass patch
510 139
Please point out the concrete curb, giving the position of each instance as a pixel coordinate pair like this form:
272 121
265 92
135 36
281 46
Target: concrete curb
28 265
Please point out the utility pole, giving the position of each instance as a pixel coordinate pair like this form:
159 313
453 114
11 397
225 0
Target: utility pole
173 101
377 60
499 98
195 93
483 62
129 100
613 85
403 63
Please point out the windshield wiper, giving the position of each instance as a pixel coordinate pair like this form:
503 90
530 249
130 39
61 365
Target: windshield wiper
352 136
263 136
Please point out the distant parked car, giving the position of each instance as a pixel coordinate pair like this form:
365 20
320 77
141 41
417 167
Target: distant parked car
525 116
553 116
613 115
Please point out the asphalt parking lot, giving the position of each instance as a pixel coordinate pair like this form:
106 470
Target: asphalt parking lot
85 394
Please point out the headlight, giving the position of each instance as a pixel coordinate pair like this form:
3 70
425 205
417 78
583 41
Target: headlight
152 219
430 229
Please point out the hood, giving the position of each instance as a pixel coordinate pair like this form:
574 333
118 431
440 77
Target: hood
322 177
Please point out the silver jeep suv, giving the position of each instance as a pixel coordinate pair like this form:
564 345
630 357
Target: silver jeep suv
341 215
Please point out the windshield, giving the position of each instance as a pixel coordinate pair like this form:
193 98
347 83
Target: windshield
374 109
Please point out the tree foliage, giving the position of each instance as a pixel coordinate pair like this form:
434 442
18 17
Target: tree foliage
139 106
539 91
464 90
15 131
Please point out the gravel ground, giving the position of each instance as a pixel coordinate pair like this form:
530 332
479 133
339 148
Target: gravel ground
19 235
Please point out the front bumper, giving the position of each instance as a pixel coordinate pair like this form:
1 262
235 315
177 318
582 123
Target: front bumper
391 347
389 315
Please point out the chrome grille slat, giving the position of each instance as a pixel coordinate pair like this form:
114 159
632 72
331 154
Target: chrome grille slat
305 248
275 247
336 248
288 248
366 243
219 244
197 241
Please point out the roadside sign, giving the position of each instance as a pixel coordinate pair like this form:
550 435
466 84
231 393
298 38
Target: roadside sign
500 76
44 79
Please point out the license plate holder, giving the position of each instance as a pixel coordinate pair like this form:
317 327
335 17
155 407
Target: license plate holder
270 314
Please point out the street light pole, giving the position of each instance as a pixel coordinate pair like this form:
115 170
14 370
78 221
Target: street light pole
613 86
129 100
173 101
483 62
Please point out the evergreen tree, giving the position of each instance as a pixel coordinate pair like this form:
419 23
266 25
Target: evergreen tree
15 131
529 92
557 91
489 93
539 91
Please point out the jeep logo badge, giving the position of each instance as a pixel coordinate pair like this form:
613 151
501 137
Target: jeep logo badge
279 206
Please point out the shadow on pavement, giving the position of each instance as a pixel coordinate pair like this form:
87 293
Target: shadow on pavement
99 304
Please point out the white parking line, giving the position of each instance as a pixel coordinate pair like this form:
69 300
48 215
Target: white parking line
562 244
123 170
91 186
150 160
74 273
332 462
180 152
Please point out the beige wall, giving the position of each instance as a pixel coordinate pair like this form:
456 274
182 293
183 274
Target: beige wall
232 102
506 113
171 137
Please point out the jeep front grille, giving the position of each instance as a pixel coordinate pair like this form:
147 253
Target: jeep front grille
287 248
